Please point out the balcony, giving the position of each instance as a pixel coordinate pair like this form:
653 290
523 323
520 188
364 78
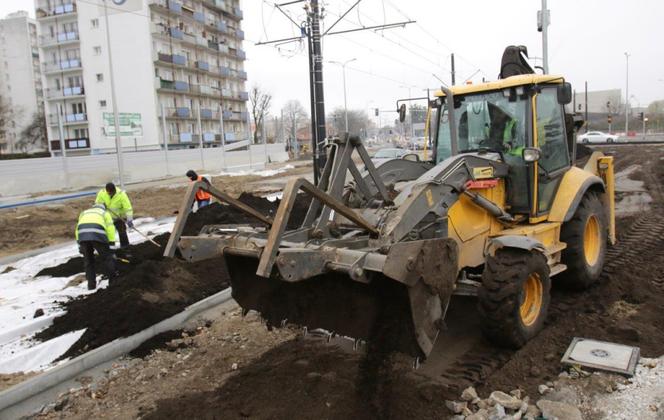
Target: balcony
52 93
166 58
174 6
60 38
239 33
185 137
238 12
207 114
241 54
228 115
181 86
182 113
224 71
176 33
76 118
222 27
243 96
64 65
242 75
179 59
59 10
199 17
72 143
202 65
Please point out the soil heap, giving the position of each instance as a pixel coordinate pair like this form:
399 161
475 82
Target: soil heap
150 288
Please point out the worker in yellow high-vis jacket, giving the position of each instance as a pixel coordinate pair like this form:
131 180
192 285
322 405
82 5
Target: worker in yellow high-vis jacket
118 204
95 232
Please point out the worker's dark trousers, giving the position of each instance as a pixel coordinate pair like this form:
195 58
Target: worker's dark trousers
88 248
121 227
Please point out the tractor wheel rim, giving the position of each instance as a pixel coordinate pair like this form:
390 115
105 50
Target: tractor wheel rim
531 301
592 241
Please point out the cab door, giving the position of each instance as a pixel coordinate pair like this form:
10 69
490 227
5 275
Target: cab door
550 136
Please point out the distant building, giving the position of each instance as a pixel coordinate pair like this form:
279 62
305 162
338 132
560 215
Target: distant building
182 57
600 102
20 78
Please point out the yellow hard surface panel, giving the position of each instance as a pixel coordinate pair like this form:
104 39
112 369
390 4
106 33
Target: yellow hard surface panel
569 186
520 80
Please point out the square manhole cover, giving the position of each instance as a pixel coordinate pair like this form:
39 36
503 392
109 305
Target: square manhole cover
602 355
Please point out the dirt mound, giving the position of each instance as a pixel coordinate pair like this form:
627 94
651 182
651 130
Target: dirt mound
150 288
303 379
151 292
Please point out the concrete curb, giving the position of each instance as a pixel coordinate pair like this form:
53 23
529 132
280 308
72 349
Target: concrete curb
19 395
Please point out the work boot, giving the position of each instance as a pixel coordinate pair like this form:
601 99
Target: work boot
92 285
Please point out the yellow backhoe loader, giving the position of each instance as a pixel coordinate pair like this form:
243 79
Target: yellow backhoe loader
500 211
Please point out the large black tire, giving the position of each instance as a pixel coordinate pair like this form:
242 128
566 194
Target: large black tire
584 270
506 292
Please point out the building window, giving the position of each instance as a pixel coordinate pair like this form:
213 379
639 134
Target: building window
100 77
102 103
97 50
94 23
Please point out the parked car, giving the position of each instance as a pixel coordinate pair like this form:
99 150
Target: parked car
596 137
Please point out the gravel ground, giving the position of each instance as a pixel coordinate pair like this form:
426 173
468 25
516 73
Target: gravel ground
641 397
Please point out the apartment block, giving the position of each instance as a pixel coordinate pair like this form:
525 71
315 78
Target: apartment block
20 78
178 71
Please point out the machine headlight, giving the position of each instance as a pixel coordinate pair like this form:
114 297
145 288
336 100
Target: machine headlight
531 154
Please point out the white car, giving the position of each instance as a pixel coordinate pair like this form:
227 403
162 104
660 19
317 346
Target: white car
596 137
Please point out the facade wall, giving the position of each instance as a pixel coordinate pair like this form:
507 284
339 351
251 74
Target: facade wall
179 56
20 78
597 101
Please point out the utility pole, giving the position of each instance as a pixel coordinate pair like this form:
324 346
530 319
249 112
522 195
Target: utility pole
319 96
586 108
116 117
312 31
343 68
626 93
543 20
452 69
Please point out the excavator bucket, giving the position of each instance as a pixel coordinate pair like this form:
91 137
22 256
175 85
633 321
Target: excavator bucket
352 268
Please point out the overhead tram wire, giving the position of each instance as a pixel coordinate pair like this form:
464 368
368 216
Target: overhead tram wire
383 36
438 41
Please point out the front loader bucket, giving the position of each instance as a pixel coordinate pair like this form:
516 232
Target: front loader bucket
378 311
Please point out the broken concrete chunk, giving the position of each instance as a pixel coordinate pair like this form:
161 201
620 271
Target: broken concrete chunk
481 414
455 406
542 389
469 394
505 400
554 409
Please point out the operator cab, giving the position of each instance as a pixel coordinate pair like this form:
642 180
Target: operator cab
517 115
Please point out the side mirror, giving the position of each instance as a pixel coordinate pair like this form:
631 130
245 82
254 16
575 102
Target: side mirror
402 113
564 93
531 154
413 157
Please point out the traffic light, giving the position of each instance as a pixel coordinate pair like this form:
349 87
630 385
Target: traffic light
641 115
610 119
377 112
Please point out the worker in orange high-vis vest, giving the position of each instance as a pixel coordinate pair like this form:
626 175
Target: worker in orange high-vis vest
202 197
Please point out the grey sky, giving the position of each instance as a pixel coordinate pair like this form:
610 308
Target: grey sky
587 41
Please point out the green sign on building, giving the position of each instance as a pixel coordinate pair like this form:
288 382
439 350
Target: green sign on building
130 124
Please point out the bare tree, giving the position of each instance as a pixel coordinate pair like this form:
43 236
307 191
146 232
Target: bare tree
34 135
358 122
260 107
294 116
6 117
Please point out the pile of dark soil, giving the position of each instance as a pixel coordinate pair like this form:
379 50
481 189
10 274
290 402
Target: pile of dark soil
150 288
151 292
302 379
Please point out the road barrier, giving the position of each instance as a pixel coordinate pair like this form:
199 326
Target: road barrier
29 176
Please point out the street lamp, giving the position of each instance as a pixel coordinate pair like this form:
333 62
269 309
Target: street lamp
626 93
343 68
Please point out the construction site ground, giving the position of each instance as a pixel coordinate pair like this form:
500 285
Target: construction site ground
235 367
30 227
